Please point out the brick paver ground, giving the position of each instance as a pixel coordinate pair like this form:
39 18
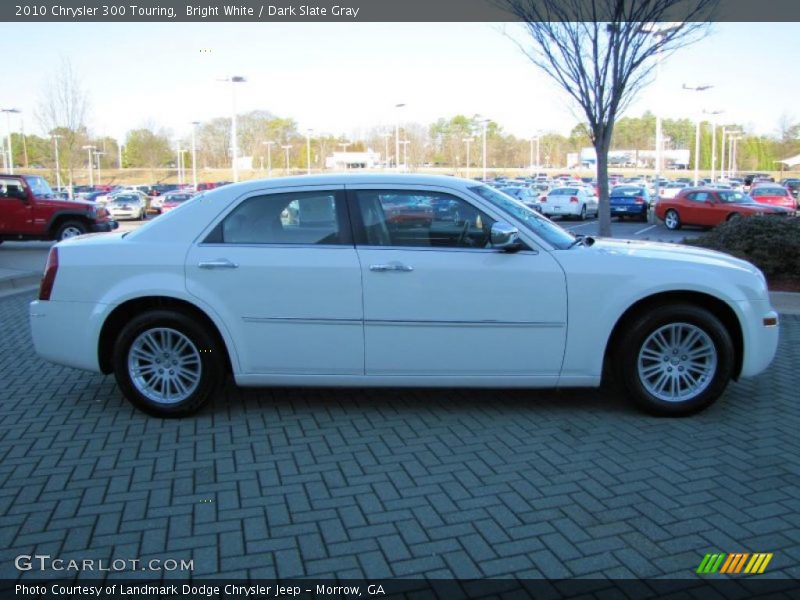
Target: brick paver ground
380 483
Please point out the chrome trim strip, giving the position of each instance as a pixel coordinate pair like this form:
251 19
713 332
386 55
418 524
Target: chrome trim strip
399 323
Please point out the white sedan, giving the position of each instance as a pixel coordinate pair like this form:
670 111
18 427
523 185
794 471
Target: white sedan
574 201
315 281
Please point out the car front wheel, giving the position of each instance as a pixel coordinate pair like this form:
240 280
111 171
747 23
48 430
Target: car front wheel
70 229
676 360
672 220
166 364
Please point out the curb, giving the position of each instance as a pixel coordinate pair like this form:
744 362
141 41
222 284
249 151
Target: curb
22 280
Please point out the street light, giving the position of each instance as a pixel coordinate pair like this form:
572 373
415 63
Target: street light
269 157
234 143
386 137
91 160
308 151
397 136
8 112
713 114
344 146
484 122
697 88
179 163
97 154
468 141
732 165
55 137
287 148
194 155
722 170
658 31
405 154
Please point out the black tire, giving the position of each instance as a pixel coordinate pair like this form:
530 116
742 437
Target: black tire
582 216
734 217
69 229
672 225
634 338
203 350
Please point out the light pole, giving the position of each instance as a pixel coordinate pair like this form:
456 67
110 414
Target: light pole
386 137
308 151
344 146
97 156
8 112
234 143
722 166
194 155
91 174
179 162
405 154
397 136
468 141
55 137
287 148
697 88
734 139
484 123
269 157
713 114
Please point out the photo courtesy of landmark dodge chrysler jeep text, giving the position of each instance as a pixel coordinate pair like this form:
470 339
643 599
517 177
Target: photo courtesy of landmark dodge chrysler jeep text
309 281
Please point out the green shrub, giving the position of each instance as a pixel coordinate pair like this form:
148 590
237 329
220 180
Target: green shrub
770 243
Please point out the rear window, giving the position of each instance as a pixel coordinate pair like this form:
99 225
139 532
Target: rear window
627 191
769 191
563 191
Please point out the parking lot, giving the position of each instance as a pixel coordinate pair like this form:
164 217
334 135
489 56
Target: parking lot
394 483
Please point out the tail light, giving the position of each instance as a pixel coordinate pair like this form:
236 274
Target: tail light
573 199
639 200
543 199
49 278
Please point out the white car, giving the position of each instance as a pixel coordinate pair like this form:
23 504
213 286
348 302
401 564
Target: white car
344 280
127 205
575 201
672 189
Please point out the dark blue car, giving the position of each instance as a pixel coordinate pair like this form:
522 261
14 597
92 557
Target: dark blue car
629 201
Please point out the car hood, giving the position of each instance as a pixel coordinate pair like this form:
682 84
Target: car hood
54 202
672 252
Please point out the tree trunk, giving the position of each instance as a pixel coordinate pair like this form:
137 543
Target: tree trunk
602 144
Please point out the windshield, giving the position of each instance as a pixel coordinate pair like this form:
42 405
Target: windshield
39 186
541 226
732 197
125 199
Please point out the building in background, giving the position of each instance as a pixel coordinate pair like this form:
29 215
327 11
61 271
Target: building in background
343 161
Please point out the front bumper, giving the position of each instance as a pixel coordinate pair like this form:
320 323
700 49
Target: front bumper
105 227
760 340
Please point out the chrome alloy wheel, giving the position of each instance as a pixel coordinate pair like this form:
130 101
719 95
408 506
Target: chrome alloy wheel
70 232
164 365
677 362
671 220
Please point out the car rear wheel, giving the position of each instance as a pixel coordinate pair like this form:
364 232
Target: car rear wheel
70 229
676 360
166 364
734 217
582 216
672 220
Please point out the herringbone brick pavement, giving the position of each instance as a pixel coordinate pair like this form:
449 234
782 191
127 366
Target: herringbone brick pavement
380 483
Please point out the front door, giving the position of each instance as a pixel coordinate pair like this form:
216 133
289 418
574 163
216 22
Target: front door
282 271
438 301
17 215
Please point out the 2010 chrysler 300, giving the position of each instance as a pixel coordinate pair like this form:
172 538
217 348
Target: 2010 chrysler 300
308 281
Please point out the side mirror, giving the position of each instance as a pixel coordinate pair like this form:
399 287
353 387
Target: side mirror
505 237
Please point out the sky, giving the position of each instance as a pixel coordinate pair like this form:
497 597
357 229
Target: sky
344 78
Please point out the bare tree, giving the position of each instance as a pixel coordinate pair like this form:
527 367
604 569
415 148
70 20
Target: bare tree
602 52
62 111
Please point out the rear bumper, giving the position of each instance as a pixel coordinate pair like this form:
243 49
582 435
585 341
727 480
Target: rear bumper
67 333
634 209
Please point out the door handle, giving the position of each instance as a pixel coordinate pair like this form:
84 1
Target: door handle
395 266
220 263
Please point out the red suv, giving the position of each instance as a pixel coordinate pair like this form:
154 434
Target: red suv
29 210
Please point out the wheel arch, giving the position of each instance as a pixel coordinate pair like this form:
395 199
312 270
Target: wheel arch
719 308
61 217
121 314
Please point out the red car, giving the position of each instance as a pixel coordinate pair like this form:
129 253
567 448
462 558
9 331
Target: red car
774 194
709 207
175 199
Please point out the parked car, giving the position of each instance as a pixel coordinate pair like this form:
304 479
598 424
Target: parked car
174 200
773 194
793 185
30 211
337 300
671 189
570 201
525 195
709 207
127 206
630 201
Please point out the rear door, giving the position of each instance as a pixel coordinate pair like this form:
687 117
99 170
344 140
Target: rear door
282 270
